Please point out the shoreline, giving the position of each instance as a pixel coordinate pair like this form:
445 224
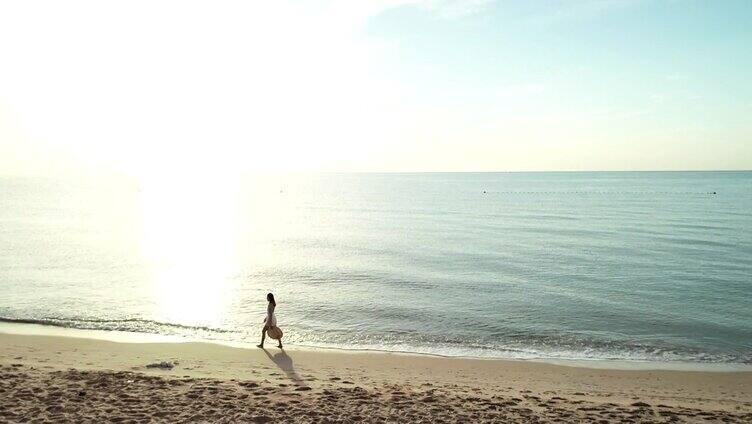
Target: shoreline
135 337
83 379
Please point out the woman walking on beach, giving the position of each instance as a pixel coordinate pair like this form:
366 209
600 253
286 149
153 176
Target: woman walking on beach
270 320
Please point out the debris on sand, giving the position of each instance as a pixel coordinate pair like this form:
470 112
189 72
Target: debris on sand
163 365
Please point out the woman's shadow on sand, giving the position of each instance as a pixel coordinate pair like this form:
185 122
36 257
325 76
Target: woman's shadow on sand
284 362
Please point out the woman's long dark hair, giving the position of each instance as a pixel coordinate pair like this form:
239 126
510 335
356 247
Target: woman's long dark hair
270 298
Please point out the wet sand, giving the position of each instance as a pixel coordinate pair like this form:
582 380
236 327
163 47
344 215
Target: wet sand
66 379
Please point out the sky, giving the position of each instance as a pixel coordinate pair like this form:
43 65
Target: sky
208 87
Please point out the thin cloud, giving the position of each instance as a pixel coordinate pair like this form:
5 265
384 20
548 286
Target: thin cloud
455 9
580 10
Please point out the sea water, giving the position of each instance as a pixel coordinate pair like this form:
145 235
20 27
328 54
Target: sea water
648 266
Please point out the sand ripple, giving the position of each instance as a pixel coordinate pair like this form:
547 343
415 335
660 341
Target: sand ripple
35 396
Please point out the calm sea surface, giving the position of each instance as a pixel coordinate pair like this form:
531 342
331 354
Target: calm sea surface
634 265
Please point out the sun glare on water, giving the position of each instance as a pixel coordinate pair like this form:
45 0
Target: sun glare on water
200 232
189 228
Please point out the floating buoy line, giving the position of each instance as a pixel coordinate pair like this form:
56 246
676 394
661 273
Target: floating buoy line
605 192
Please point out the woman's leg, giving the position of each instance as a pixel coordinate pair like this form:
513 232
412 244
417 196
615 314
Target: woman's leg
263 336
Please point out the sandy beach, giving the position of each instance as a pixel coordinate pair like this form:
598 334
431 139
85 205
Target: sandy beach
68 379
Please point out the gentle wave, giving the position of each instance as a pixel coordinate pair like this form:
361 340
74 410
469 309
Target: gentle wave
111 324
520 346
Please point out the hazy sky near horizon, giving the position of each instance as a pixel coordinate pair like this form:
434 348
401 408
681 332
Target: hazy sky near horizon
142 87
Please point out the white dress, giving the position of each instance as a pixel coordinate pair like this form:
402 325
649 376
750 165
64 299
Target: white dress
271 319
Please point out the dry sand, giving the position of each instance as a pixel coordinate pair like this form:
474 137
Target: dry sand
66 379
